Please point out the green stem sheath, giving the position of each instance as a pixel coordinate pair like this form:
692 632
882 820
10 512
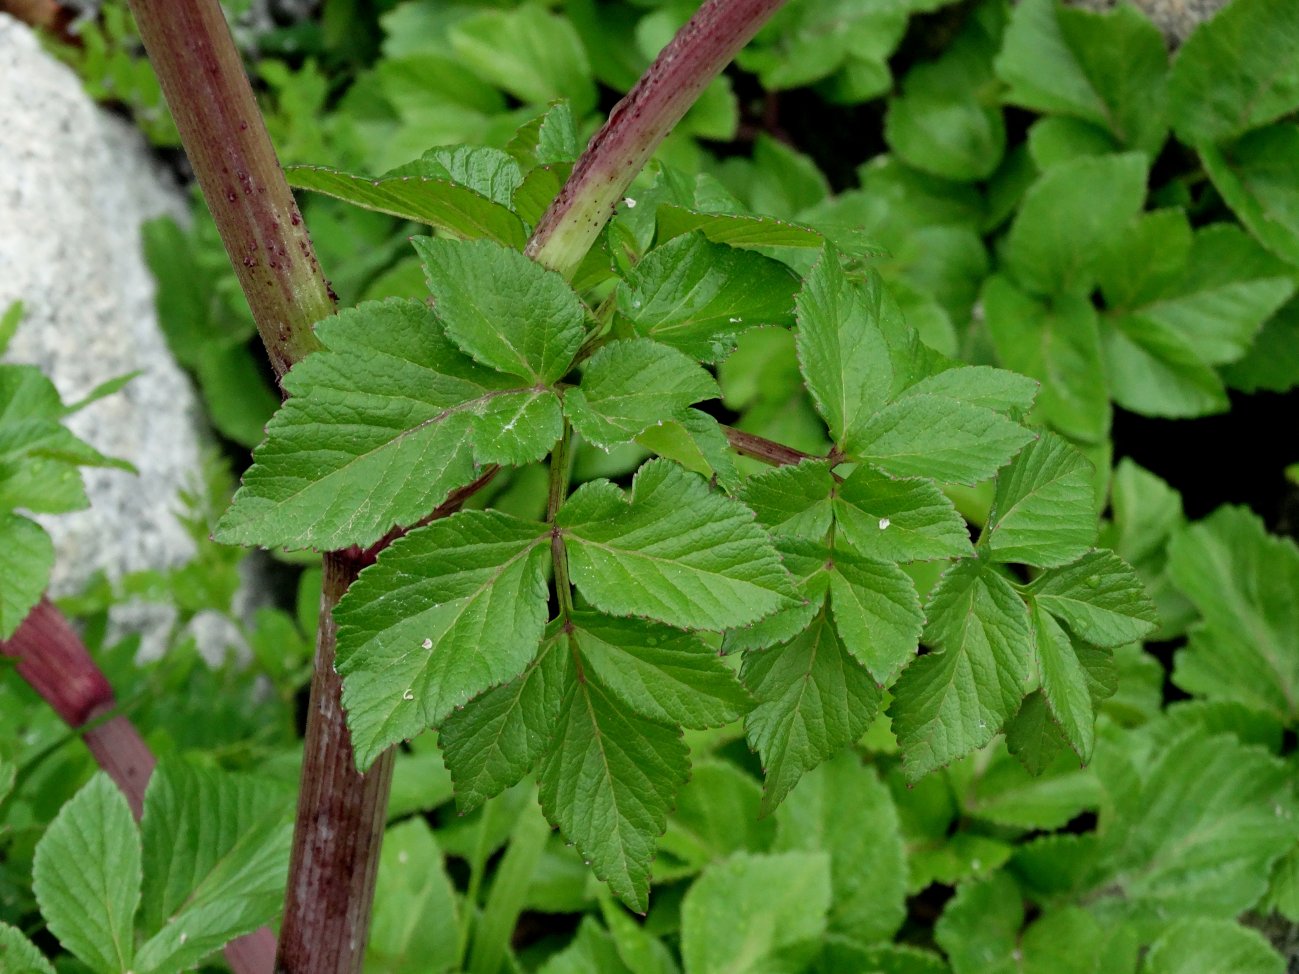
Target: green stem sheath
638 123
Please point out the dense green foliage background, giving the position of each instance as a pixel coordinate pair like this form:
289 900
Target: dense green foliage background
1045 190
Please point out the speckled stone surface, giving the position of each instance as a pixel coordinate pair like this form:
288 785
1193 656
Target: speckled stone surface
75 185
1174 18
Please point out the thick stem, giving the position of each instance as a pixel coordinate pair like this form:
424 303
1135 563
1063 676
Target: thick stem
52 658
340 812
638 123
221 127
341 815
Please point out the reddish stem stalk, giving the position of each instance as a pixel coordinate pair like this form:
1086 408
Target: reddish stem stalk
336 859
52 658
340 816
761 448
221 127
638 123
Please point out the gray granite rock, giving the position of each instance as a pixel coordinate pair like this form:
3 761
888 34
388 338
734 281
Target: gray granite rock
1174 18
75 185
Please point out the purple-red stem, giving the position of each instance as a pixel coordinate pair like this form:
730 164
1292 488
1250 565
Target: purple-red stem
347 808
51 657
221 126
638 123
341 813
761 448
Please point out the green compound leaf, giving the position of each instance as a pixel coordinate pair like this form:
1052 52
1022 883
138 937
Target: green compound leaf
868 870
38 455
1058 343
1099 597
1044 509
415 914
1272 362
1229 287
1244 582
1155 371
980 385
608 783
448 611
1034 736
517 427
942 123
695 295
1259 187
1196 832
935 436
24 571
1147 260
1068 217
1110 70
716 815
86 877
877 613
980 926
1210 946
807 562
956 698
216 856
756 913
1161 354
487 171
18 954
696 441
628 386
870 379
813 699
673 551
661 674
841 346
439 203
1237 72
807 43
792 501
736 229
530 52
549 138
501 734
377 431
505 310
1064 685
898 520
